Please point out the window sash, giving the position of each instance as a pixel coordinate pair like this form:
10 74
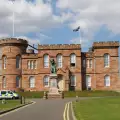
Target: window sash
4 62
32 82
59 61
107 81
73 58
18 62
17 81
46 81
106 60
46 61
90 63
73 80
29 65
4 82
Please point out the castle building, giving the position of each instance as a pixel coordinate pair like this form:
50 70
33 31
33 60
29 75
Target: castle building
97 69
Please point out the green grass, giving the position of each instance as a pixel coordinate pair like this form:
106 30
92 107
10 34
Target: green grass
40 94
33 94
9 104
98 109
96 93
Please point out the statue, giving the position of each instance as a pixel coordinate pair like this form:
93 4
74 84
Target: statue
53 66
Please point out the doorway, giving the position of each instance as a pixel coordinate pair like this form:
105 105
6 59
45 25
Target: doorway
61 83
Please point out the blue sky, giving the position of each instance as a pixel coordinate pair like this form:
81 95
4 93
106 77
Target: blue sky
53 21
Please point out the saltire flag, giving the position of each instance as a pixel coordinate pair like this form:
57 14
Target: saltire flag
77 29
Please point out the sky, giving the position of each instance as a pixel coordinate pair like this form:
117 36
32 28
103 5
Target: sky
53 21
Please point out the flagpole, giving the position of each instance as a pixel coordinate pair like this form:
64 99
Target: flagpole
13 23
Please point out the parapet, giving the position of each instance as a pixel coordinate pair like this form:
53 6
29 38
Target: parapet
106 44
13 41
59 46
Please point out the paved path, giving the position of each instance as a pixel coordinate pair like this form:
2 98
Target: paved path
41 110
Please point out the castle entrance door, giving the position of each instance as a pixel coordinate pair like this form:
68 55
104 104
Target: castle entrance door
61 82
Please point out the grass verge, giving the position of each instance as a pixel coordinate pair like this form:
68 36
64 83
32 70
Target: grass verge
98 109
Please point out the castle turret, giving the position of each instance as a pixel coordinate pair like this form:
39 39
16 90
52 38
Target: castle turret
11 50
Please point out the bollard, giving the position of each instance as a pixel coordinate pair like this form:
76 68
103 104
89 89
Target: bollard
76 98
3 101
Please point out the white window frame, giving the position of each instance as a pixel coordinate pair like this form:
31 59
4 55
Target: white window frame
73 76
106 60
32 81
46 61
46 78
18 59
4 62
4 82
73 59
59 61
107 80
17 81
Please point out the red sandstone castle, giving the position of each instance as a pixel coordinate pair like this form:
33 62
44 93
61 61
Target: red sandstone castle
97 69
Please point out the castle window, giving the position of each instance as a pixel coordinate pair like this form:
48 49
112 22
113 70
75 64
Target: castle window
59 61
4 82
17 81
32 81
46 61
46 81
4 62
35 64
73 80
106 60
84 63
72 60
88 81
107 80
28 64
90 63
32 64
18 61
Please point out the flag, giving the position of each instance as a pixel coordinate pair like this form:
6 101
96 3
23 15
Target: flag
77 29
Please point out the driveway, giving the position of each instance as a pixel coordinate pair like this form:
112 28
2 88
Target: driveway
51 109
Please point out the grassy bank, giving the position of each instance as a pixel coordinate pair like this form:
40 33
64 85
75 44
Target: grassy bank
9 104
98 109
39 94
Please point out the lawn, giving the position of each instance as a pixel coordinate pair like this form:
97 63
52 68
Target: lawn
40 94
9 104
98 109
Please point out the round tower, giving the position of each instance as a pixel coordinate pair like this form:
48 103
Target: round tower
11 50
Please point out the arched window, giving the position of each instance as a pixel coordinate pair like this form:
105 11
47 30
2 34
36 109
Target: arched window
4 62
59 61
72 60
46 81
106 60
73 80
4 82
28 64
17 81
107 80
32 81
18 61
46 61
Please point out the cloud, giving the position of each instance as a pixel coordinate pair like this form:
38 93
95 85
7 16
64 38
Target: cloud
91 15
29 17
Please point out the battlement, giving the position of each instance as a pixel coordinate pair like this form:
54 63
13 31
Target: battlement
59 46
106 44
13 40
